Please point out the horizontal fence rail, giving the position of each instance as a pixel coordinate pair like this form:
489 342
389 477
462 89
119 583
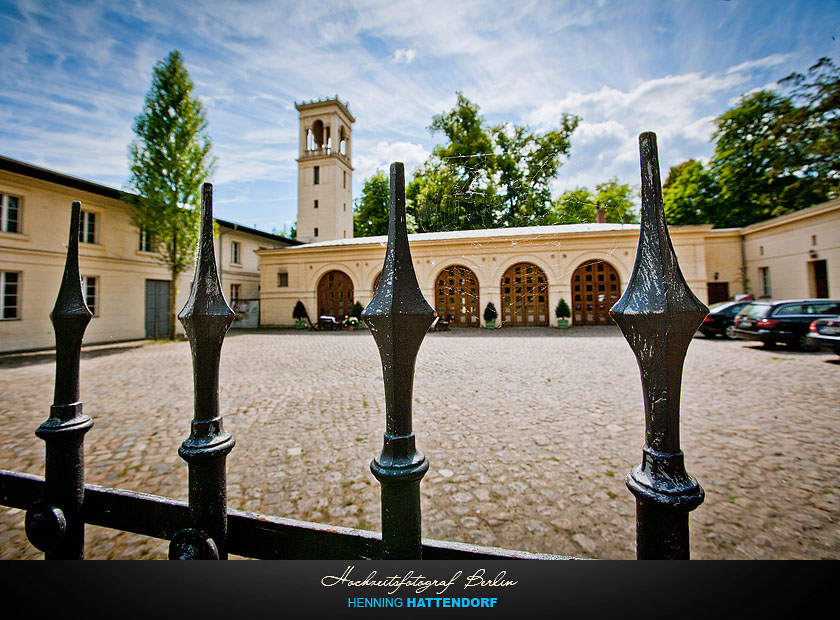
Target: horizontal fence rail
657 313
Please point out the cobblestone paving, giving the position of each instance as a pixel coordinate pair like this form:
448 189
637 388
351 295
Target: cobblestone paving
529 432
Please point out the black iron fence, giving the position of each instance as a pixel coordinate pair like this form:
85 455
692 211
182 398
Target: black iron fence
657 313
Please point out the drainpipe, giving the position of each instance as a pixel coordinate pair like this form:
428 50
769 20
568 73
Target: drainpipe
744 280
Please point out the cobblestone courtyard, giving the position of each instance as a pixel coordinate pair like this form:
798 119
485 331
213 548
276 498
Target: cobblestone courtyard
529 433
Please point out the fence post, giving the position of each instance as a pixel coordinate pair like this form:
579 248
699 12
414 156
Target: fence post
206 318
399 317
659 315
54 525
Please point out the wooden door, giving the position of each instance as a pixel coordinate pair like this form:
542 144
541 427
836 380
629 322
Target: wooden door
524 296
595 288
456 297
335 295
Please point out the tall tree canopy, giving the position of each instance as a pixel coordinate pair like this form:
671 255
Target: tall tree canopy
170 157
370 218
774 153
486 177
580 205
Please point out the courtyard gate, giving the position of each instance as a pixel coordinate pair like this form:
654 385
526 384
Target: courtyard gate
658 315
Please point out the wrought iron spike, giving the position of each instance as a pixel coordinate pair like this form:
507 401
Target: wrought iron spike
206 318
659 314
55 525
399 317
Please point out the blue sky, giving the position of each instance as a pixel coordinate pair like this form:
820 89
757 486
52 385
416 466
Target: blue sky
75 74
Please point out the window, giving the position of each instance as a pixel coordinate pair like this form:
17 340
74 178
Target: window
234 252
282 279
345 207
235 292
91 293
316 204
9 213
764 276
345 178
9 295
317 175
316 231
145 241
87 227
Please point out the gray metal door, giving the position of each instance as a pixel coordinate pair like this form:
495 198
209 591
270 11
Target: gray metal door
157 309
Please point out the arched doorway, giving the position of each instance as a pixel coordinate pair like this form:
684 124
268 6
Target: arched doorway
456 296
335 294
595 288
524 296
376 282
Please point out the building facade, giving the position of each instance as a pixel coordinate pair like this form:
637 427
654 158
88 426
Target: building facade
524 272
125 285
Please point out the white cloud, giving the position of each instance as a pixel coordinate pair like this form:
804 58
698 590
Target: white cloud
404 56
382 154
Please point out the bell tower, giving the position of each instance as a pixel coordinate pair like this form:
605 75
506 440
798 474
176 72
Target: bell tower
325 175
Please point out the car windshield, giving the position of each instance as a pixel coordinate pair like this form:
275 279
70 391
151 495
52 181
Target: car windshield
719 306
756 311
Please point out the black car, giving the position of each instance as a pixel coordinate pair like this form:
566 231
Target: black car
825 334
721 319
785 321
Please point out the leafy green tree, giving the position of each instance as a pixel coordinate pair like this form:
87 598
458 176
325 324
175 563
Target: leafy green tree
775 152
526 163
580 205
170 157
749 164
690 194
371 214
485 177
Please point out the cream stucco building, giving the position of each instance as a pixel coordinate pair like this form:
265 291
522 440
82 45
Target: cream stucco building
125 284
524 272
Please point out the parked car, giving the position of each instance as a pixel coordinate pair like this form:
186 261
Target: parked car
825 334
785 321
721 319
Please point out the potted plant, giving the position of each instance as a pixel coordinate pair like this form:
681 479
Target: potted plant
356 312
300 315
490 315
562 313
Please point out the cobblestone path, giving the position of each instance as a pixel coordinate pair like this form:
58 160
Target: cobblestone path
529 433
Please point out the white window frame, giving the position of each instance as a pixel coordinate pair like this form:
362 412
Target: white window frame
89 282
16 295
235 253
145 242
85 235
4 213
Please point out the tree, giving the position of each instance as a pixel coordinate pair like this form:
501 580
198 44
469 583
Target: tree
485 177
371 214
580 205
690 194
170 158
775 152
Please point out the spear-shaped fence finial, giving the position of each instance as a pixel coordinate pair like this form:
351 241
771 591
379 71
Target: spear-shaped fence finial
659 314
206 318
399 317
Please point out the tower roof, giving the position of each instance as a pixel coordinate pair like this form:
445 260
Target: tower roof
308 105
